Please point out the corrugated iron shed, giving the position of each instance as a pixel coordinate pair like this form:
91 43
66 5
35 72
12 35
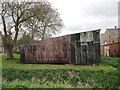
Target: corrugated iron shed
80 48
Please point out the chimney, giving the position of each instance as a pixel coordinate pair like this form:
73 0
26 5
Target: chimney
115 26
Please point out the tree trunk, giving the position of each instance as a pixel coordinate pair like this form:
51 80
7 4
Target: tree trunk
8 45
44 30
9 50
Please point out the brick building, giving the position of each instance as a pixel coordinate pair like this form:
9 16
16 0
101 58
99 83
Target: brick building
110 43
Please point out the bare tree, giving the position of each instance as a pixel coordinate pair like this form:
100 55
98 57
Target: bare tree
39 19
13 15
46 22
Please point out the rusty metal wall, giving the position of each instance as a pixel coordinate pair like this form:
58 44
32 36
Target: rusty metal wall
54 50
80 48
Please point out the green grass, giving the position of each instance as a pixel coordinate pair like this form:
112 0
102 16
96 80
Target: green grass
16 64
114 62
16 75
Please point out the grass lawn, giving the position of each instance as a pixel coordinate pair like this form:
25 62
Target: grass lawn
16 75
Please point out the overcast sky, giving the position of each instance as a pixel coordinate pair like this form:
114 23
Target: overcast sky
82 15
86 15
